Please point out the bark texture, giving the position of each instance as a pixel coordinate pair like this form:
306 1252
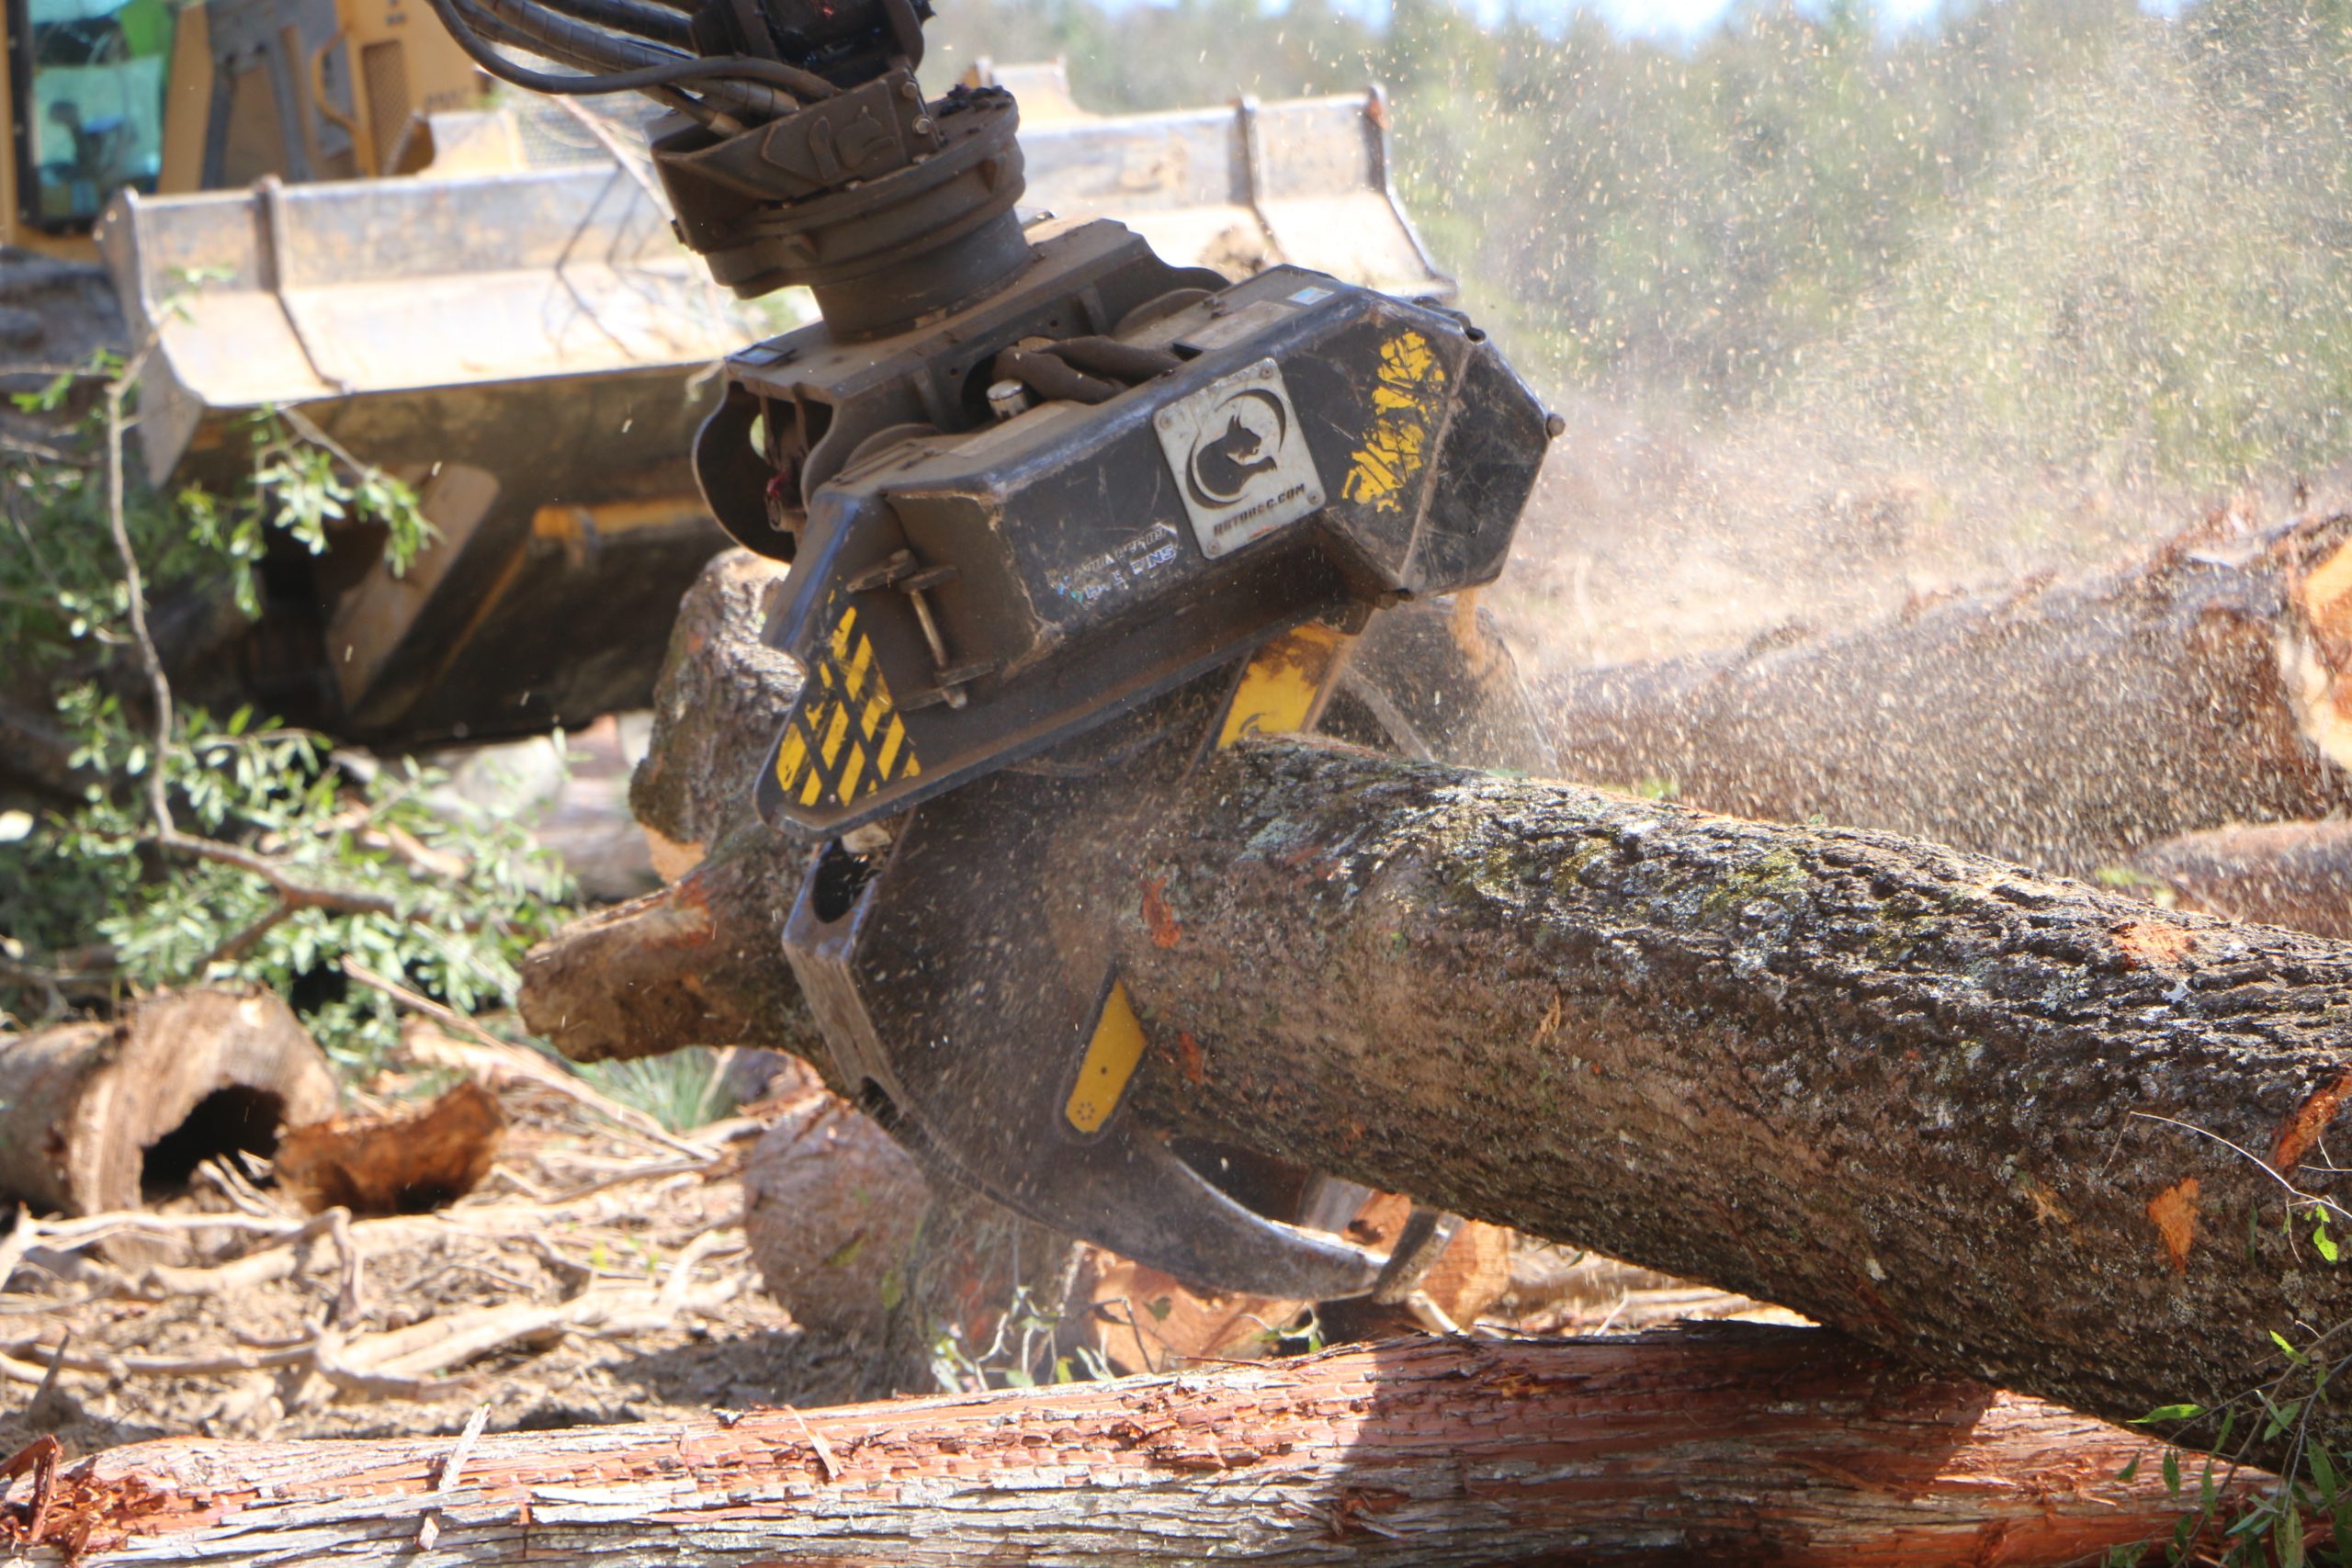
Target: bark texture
84 1108
2065 724
1961 1112
1906 1092
719 700
2278 874
1747 1444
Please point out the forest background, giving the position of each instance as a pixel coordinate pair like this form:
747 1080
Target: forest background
1851 310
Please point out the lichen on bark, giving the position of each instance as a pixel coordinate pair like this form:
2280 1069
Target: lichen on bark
1909 1091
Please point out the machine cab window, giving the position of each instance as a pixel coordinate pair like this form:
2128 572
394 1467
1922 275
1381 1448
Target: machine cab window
89 103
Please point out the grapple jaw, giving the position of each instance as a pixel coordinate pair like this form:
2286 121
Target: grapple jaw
1063 518
1033 630
960 977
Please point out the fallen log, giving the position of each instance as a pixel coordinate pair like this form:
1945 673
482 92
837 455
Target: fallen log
2276 873
89 1112
2064 723
2022 1130
1734 1444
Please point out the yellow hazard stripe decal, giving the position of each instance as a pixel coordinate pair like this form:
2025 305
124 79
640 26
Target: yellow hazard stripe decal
844 739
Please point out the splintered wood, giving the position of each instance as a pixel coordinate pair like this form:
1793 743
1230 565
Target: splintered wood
395 1165
1731 1444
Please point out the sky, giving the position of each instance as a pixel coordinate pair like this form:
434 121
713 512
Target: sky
1669 17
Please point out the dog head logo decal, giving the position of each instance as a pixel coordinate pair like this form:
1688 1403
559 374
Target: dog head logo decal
1239 459
1224 461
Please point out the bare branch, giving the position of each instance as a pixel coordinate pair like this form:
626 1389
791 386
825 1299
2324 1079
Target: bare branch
158 800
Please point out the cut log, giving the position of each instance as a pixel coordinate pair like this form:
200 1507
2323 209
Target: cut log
1955 1109
406 1164
1729 1445
666 971
2278 874
2065 724
831 1208
722 697
91 1113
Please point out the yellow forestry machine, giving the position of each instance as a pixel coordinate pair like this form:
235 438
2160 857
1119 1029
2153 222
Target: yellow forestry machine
1063 516
308 204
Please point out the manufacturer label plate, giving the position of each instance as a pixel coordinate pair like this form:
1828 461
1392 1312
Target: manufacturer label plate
1239 458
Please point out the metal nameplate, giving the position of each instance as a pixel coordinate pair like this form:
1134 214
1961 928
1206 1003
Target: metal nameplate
1239 458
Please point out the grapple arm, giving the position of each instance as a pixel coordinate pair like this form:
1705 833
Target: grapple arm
1063 519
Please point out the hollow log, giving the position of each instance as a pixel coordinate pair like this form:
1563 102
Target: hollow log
2274 874
1733 1444
89 1112
2064 724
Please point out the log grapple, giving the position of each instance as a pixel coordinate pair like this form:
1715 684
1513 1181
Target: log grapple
1063 520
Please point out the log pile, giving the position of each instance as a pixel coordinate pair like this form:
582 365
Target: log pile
2001 1130
1985 1121
1732 1444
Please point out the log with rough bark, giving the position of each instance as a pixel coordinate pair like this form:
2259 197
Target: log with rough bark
2276 873
90 1111
2064 724
2024 1130
1729 1445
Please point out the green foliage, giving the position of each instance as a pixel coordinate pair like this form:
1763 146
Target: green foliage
2039 234
284 857
1017 1355
300 487
681 1089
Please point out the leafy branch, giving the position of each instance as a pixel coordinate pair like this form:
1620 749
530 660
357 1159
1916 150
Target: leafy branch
238 849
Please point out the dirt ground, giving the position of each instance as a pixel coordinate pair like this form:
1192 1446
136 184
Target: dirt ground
573 1206
589 1213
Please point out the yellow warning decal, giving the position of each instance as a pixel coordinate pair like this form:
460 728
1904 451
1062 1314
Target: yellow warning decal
846 738
1406 401
1112 1056
1283 684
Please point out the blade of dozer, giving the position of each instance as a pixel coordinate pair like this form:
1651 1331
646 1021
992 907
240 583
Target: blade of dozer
1239 189
531 349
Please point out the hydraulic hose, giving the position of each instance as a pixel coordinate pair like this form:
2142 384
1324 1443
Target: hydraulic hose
496 31
663 69
663 27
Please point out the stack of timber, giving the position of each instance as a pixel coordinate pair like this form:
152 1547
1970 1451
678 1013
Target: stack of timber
2014 1129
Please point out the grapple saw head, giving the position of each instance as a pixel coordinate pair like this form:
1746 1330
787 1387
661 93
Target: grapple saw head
1063 519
